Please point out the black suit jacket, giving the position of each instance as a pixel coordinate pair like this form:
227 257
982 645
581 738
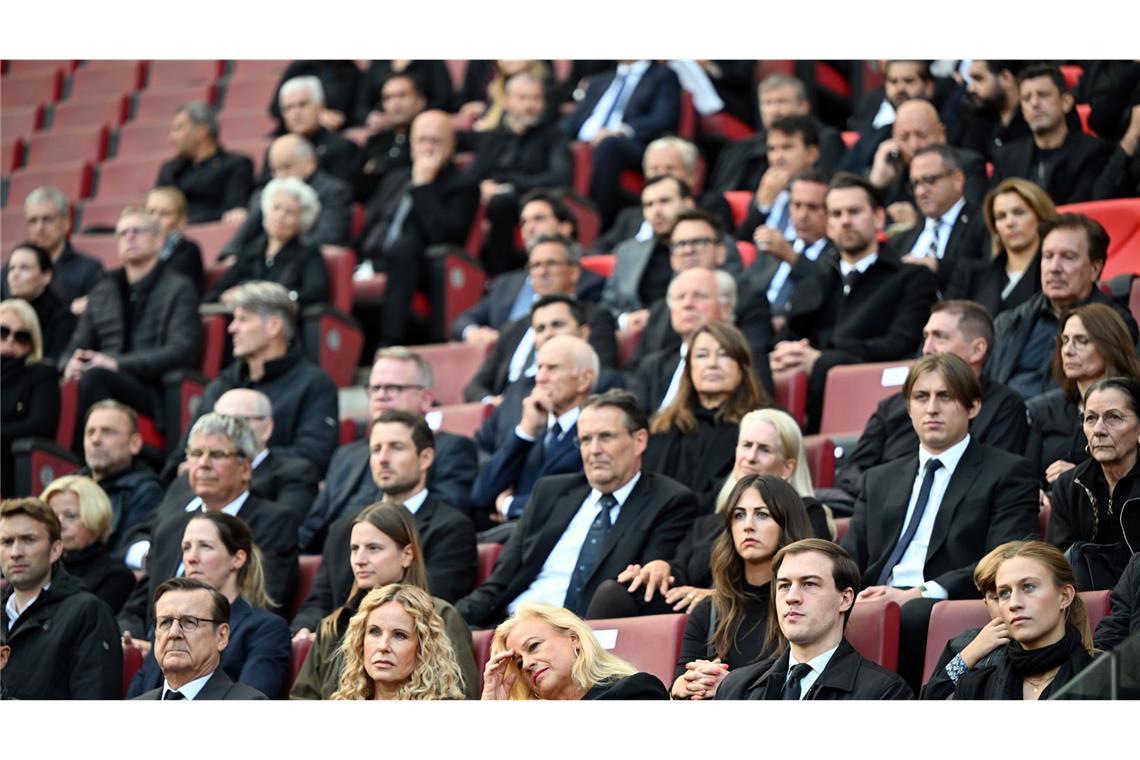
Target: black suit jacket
1077 174
448 540
848 675
220 183
991 499
742 163
651 110
493 374
651 380
653 520
969 241
540 157
218 687
298 267
494 308
983 281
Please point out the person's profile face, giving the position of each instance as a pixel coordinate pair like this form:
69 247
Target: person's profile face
545 656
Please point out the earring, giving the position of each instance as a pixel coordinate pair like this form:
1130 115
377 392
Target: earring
577 652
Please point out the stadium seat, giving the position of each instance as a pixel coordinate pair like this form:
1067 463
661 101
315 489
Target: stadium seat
73 179
249 94
460 419
1084 110
725 125
39 461
791 395
101 216
1072 74
481 644
1120 218
129 176
651 643
738 201
747 251
102 80
853 391
213 344
488 554
103 248
253 147
687 118
601 263
452 365
12 228
170 74
339 263
300 651
28 66
1134 299
873 630
627 341
132 662
112 111
820 452
589 221
334 340
257 70
67 146
32 88
11 154
582 168
154 105
841 526
21 121
307 566
145 138
244 125
211 237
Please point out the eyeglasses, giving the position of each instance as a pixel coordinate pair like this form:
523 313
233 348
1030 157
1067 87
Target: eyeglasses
188 623
131 231
391 389
22 337
680 245
1112 418
534 266
215 455
928 181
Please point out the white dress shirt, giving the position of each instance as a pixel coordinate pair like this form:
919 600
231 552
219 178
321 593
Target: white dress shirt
817 664
553 579
189 690
861 266
785 269
945 225
13 613
519 359
675 383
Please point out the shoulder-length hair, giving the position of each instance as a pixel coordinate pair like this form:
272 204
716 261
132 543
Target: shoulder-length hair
398 524
236 536
436 674
94 505
27 315
1037 199
593 665
744 398
1110 336
729 600
791 447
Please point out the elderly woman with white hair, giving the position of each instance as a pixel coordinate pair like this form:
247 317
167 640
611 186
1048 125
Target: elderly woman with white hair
769 443
289 208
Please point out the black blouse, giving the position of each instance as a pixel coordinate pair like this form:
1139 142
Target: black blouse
748 644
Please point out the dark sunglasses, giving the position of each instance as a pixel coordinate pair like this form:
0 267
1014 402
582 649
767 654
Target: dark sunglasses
20 336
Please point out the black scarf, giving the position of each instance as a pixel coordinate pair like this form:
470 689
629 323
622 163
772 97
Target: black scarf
1031 662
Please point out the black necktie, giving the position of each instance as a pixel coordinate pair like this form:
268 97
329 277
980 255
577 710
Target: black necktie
553 435
849 280
932 466
590 553
792 685
171 694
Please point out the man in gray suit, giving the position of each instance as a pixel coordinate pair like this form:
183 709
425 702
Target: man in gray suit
191 633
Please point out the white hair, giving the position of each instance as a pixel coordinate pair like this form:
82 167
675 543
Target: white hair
310 83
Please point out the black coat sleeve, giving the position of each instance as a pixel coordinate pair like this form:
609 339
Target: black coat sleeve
451 560
695 641
96 667
1115 627
181 343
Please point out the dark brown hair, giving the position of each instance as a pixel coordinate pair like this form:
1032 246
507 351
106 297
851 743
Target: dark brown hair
1109 334
844 572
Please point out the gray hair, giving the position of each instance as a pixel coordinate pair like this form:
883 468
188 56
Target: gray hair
267 299
522 76
726 284
424 374
234 428
202 114
49 194
301 192
573 252
687 150
776 81
310 83
150 222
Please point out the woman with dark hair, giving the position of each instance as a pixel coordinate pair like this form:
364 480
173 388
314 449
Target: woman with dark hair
29 386
30 272
1013 211
692 439
1095 518
762 515
1050 640
1093 344
218 549
384 548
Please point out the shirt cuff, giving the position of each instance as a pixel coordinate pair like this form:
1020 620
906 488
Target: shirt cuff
623 320
506 508
524 435
467 331
136 555
934 590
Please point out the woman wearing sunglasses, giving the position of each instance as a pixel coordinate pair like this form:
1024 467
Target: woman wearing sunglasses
29 388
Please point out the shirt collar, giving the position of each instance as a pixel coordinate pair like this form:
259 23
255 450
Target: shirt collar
259 459
230 509
637 67
566 421
860 266
817 663
949 458
621 494
10 607
189 690
950 217
414 502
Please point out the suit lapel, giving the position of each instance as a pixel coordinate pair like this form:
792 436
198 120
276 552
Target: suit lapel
631 512
893 510
964 474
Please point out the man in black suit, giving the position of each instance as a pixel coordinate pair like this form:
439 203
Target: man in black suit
620 114
214 181
288 481
219 453
432 203
554 269
523 153
869 308
814 589
921 523
1066 162
301 100
512 294
990 114
1074 249
400 379
191 632
402 450
951 229
965 329
578 530
902 81
792 147
402 99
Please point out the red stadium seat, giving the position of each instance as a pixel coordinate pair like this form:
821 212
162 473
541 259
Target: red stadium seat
103 248
452 365
129 176
68 146
1120 218
687 118
651 643
307 566
132 663
627 341
849 137
853 391
180 73
333 340
582 168
791 394
1097 605
257 70
841 526
738 201
105 79
1134 299
73 179
460 419
602 263
457 69
11 154
213 344
488 554
873 630
481 643
820 452
211 237
144 138
726 125
101 216
12 227
589 221
1084 110
39 461
71 113
747 252
32 88
21 121
249 94
1072 74
154 105
253 147
339 263
300 651
28 66
244 125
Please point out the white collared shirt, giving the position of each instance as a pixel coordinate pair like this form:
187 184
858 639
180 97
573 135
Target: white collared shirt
817 664
861 266
696 81
13 613
785 269
945 223
779 205
911 567
415 501
189 690
596 121
565 421
136 554
553 579
675 383
519 363
259 459
884 116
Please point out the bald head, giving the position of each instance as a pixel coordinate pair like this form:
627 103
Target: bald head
252 406
916 126
292 156
432 135
568 368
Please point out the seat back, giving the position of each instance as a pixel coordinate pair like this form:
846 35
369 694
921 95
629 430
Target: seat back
110 110
738 201
792 395
820 452
32 88
104 79
129 177
600 264
651 643
339 264
307 567
453 365
67 145
213 344
873 629
481 644
300 652
1120 218
101 247
853 391
182 73
488 555
73 179
132 662
458 419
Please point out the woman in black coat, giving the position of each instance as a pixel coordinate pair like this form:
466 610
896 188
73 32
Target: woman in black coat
289 208
30 272
29 388
84 513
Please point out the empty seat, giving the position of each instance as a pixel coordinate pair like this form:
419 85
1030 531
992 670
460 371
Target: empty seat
101 216
873 629
103 248
339 263
307 566
453 365
112 111
1084 111
1120 218
243 125
73 180
257 69
12 228
161 104
38 66
792 393
651 643
32 88
129 177
71 145
299 652
211 237
459 419
853 391
144 138
106 79
20 121
170 74
11 154
738 201
249 94
747 251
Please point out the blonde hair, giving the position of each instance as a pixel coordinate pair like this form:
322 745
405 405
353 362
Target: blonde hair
593 664
436 674
94 505
31 321
1076 616
791 447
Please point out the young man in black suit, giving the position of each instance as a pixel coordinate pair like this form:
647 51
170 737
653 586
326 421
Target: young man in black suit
814 586
579 530
922 523
191 632
402 450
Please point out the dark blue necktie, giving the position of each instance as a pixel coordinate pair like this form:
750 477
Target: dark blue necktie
911 527
173 695
792 685
622 79
590 553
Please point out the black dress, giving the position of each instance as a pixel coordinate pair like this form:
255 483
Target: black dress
747 645
29 408
104 576
700 461
637 686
